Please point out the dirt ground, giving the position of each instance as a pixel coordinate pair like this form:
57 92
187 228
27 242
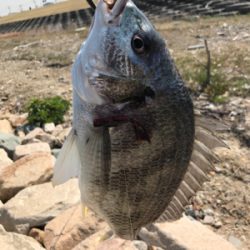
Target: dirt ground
38 64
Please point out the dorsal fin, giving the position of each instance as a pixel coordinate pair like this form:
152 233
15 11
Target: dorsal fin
200 165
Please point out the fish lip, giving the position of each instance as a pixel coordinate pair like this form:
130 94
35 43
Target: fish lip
112 13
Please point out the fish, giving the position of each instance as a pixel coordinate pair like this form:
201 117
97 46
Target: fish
136 145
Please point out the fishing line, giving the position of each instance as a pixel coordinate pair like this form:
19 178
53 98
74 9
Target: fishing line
91 4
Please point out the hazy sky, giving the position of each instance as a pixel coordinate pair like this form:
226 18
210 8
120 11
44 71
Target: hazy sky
14 5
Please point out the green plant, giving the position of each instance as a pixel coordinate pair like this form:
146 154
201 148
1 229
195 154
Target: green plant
46 110
195 74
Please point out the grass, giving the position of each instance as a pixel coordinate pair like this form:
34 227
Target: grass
230 73
230 69
53 9
41 111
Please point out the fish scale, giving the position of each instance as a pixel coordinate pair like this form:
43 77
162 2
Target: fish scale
137 148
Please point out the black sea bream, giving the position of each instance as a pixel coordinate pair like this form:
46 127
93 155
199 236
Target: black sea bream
135 145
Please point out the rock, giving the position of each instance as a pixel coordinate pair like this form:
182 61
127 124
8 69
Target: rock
198 46
37 234
4 114
246 138
14 241
4 159
49 127
247 118
209 211
38 135
36 205
184 234
140 245
80 29
48 138
5 126
28 149
58 129
69 228
20 134
117 244
18 120
235 241
32 135
29 170
93 241
55 152
9 142
209 220
26 128
97 242
61 136
217 223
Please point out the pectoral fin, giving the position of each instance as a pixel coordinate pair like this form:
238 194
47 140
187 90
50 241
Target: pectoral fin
95 155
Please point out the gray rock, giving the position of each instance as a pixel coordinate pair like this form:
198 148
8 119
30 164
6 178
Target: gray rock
55 152
9 142
14 241
29 170
36 205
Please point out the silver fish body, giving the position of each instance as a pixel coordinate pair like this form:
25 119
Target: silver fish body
133 123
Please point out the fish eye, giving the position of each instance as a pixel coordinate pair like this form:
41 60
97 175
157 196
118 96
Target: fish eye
139 43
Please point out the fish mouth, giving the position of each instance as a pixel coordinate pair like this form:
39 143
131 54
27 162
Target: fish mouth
112 9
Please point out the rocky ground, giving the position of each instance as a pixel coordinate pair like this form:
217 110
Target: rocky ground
38 65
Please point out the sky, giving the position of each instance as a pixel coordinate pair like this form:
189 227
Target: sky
16 5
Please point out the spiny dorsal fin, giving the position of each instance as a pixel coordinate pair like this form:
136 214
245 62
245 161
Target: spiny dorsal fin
200 165
208 139
210 124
